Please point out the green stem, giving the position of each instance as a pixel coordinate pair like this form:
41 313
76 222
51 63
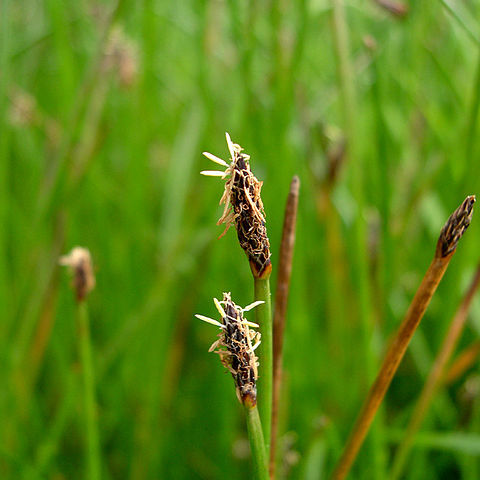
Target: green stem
93 444
472 123
5 37
264 319
347 87
257 443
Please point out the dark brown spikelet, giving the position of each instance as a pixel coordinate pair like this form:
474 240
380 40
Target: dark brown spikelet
455 227
236 351
249 215
80 262
244 208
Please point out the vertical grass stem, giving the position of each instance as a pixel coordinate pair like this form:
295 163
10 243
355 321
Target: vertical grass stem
257 443
265 355
93 444
280 312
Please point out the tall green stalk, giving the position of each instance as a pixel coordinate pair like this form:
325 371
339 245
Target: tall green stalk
90 410
348 105
257 443
349 110
471 127
4 163
265 354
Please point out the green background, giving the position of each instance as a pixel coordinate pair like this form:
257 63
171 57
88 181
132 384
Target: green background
103 120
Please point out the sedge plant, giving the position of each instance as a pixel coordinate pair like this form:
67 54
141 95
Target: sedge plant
236 347
79 261
244 209
450 234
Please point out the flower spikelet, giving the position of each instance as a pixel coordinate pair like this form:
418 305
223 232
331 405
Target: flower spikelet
80 262
455 227
236 346
244 207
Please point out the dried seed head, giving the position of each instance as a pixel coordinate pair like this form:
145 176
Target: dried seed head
244 207
80 262
236 346
455 227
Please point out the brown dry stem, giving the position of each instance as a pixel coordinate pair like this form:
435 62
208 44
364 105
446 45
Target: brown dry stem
446 245
281 299
435 375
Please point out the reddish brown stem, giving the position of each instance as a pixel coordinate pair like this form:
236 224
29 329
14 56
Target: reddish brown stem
446 245
430 387
281 299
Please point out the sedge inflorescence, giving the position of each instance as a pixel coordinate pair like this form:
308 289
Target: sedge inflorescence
243 207
79 261
455 227
236 345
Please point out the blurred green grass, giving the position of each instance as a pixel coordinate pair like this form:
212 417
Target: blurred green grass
103 120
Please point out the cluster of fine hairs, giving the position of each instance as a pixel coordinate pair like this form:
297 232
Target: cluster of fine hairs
236 346
244 207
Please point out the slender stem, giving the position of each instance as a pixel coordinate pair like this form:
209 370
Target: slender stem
257 443
434 377
265 354
5 37
472 117
8 432
354 160
54 185
450 234
280 312
344 70
93 444
462 363
390 364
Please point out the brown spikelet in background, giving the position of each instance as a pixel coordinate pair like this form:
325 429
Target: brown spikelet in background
244 207
80 262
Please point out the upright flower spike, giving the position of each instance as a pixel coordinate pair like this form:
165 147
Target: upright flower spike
236 347
455 227
80 262
243 207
